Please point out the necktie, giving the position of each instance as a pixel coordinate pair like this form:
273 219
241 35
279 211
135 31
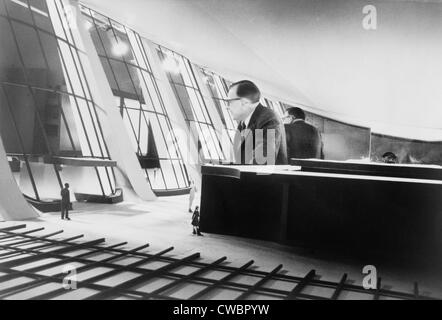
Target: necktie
241 126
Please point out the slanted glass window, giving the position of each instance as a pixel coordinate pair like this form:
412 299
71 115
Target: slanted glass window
124 59
46 108
218 91
193 107
276 106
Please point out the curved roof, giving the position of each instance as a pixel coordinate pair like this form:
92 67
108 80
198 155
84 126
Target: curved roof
314 52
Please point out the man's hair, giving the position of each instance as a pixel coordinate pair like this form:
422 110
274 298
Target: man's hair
390 157
66 185
247 89
296 112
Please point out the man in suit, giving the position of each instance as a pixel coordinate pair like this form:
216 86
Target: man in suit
303 139
260 138
65 202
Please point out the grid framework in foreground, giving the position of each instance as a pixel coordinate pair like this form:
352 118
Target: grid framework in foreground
36 265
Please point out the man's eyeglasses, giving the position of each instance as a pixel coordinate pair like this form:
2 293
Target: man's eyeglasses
229 101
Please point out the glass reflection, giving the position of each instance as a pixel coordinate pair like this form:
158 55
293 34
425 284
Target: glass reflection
127 69
46 110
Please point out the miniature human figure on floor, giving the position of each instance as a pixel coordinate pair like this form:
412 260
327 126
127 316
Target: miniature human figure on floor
196 222
192 192
65 202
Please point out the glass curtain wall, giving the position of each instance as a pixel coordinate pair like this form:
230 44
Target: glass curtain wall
193 107
123 56
275 106
47 110
218 90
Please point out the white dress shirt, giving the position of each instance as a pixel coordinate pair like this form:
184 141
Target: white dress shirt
247 120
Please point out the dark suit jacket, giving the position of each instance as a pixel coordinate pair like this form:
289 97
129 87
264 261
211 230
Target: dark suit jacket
65 196
303 141
255 140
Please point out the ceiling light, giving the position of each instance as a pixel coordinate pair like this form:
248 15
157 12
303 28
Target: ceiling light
119 47
171 64
88 25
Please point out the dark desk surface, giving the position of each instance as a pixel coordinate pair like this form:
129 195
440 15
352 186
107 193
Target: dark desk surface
237 171
362 213
432 172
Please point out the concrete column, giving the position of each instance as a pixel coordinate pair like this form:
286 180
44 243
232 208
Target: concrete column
187 139
115 133
13 205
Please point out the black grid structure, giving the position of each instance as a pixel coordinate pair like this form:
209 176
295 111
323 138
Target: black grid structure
188 94
123 56
47 108
39 265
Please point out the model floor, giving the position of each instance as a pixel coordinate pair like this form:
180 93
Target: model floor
166 222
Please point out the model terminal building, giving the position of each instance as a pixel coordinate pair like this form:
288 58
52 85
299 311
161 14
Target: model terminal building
118 109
